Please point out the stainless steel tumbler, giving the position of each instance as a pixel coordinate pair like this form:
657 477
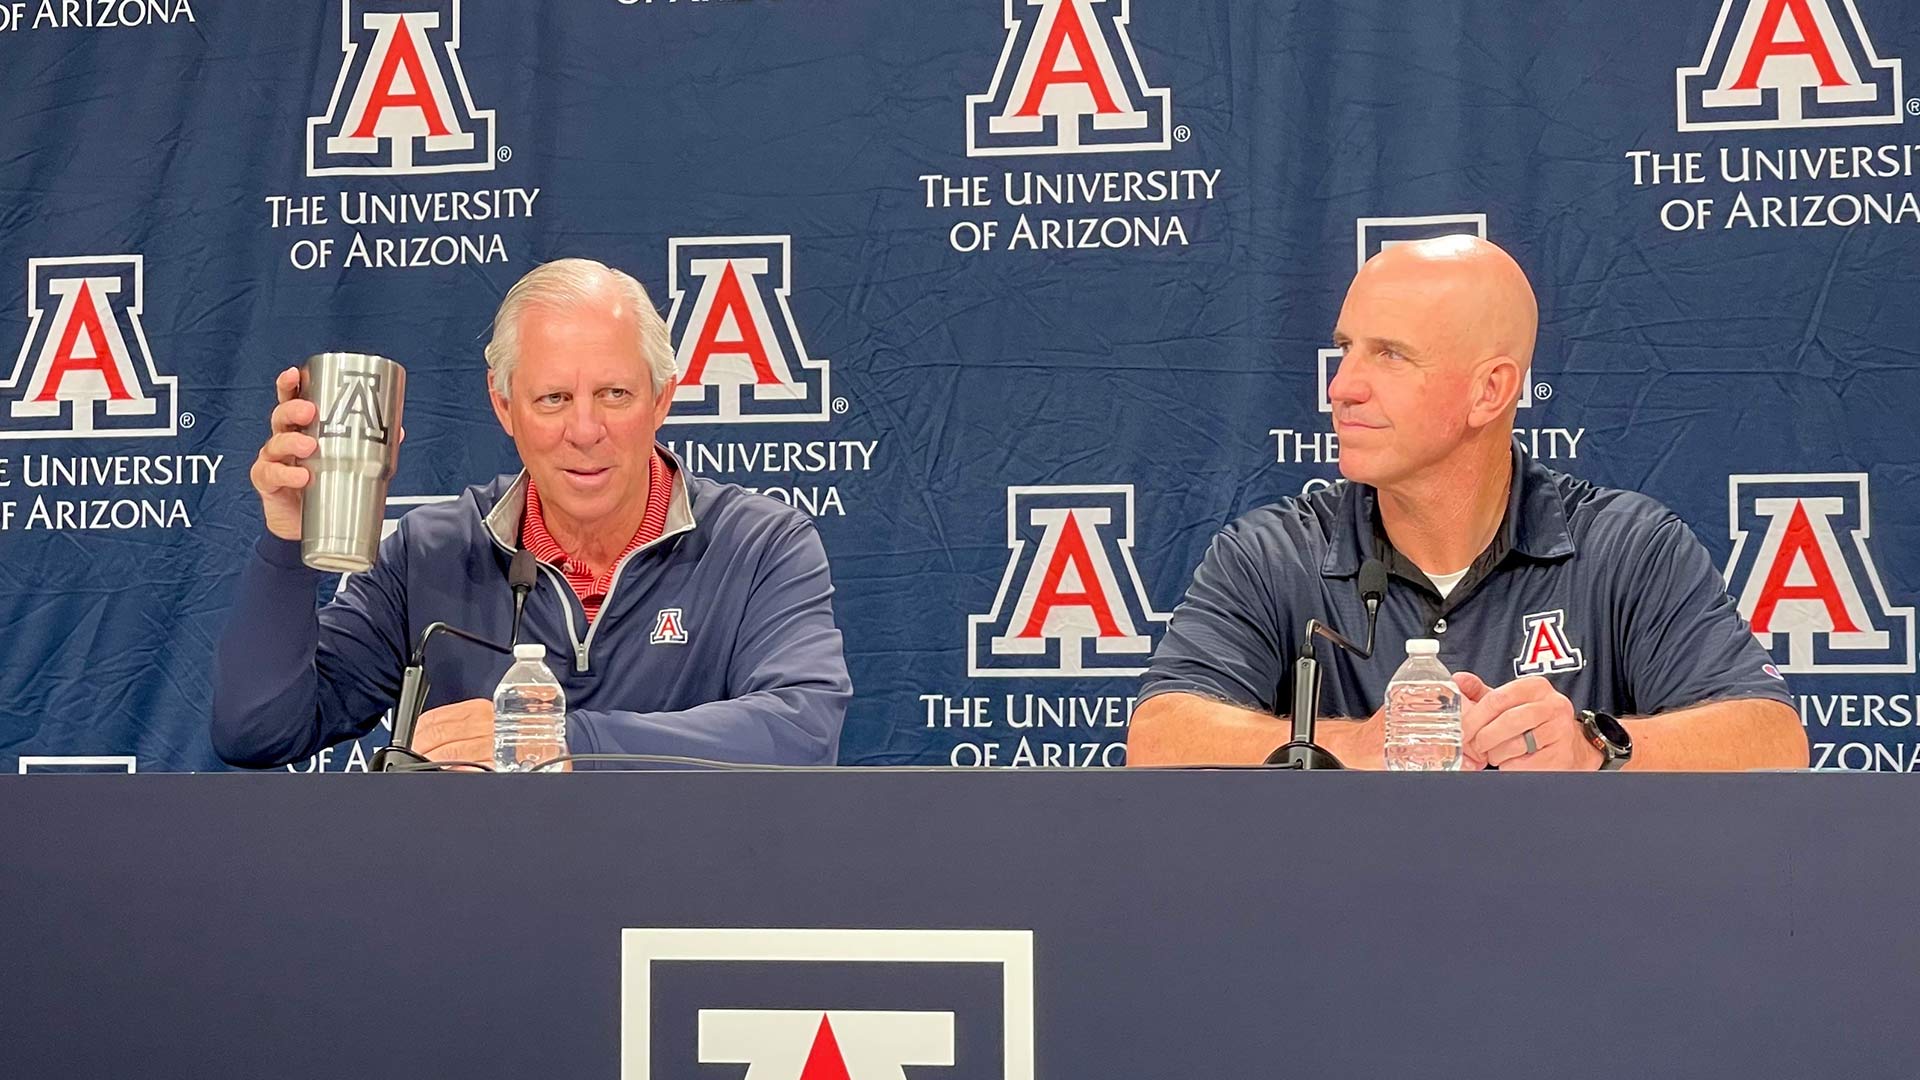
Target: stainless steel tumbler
357 427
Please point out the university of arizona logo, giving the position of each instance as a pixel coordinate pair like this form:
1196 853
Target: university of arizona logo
84 369
400 104
735 342
793 1004
76 763
1071 602
1789 64
1805 581
812 1044
1068 82
669 628
1544 648
356 409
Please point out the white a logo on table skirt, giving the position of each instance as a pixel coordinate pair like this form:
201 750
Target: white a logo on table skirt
827 1004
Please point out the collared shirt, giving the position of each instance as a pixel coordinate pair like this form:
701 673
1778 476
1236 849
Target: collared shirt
588 584
1606 593
1399 566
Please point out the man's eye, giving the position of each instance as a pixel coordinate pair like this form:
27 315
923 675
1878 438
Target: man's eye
617 393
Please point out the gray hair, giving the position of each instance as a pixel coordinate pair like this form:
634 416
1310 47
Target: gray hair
570 283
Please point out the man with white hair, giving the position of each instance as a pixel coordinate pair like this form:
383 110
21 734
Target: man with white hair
682 616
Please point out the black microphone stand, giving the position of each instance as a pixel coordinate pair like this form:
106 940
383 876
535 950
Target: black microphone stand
398 755
413 699
1301 752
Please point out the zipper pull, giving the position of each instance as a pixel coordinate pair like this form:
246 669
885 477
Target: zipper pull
580 659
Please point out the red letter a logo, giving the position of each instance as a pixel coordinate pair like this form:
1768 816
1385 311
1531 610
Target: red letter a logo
1066 30
1070 553
1767 44
729 305
1799 546
402 53
824 1061
84 318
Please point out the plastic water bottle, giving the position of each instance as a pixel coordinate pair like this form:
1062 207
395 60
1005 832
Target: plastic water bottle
529 713
1423 712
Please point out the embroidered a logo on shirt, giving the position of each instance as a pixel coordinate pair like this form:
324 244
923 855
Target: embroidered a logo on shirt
669 628
1545 649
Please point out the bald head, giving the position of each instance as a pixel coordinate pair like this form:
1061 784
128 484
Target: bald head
1436 338
1479 301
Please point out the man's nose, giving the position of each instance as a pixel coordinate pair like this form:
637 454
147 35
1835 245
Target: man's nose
584 425
1348 387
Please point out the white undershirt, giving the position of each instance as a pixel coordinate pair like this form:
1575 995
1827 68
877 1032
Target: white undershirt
1446 582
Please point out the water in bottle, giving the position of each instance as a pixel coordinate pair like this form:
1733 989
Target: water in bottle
1423 712
529 713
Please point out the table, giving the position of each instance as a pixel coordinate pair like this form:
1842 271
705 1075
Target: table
1203 923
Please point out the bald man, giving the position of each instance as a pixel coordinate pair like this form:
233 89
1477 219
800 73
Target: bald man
1587 627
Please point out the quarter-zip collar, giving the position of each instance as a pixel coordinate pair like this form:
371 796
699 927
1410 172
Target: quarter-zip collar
503 526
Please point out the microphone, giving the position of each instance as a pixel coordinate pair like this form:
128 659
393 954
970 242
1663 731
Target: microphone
522 574
1301 752
1373 589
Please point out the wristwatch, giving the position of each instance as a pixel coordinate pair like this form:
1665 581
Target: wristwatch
1609 736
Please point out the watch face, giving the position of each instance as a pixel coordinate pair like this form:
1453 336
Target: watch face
1613 731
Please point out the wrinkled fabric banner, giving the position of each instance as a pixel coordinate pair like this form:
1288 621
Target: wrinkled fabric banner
1023 300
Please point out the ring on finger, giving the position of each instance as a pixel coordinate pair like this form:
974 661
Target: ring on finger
1527 737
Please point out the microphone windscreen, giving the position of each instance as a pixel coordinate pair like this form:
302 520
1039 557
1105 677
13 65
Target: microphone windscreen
523 571
1373 580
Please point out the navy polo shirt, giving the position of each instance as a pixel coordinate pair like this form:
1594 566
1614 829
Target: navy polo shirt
1605 593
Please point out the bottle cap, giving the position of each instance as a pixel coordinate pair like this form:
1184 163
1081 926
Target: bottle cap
532 650
1421 646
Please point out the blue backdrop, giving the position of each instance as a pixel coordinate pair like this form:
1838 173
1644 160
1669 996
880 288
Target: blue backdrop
1023 299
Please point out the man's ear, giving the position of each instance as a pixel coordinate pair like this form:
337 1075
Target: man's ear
1496 389
663 402
499 407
